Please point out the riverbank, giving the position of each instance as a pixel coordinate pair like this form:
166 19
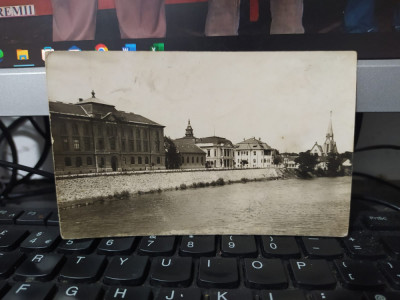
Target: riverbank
83 191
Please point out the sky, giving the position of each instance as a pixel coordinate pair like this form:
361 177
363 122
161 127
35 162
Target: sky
284 98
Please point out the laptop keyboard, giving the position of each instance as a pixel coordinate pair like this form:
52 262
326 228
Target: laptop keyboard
35 263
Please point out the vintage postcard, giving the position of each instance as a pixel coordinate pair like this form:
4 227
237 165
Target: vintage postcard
182 143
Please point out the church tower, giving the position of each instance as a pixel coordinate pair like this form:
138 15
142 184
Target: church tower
189 130
330 144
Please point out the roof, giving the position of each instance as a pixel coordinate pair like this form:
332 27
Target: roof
253 144
74 109
215 140
66 108
184 147
318 146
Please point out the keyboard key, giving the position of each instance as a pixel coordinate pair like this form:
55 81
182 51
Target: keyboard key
280 246
82 268
265 273
181 294
40 241
391 270
78 292
322 247
137 293
8 216
10 238
312 273
112 246
238 245
171 271
196 245
34 217
337 295
53 220
157 245
392 244
283 295
383 296
382 221
126 270
76 246
230 295
218 272
8 262
41 267
30 291
360 246
358 274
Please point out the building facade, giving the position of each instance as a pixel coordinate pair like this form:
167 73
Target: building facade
253 153
191 155
219 151
91 136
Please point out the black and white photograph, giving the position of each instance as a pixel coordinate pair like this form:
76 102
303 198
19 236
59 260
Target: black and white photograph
182 143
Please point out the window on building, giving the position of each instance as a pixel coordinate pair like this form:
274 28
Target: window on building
86 141
100 130
100 144
157 142
86 129
187 159
146 146
131 146
254 152
208 152
131 133
132 160
76 143
197 159
146 160
89 161
67 161
158 160
254 160
139 145
192 159
123 145
102 162
65 143
215 152
183 160
78 162
145 140
139 160
112 143
75 130
265 160
124 160
63 129
202 160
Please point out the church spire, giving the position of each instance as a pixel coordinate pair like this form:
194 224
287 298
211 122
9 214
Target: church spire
329 133
189 130
330 144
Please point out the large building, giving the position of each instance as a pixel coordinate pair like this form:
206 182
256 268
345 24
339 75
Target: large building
329 146
219 151
192 156
253 153
91 136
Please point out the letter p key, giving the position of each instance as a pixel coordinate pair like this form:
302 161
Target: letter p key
300 264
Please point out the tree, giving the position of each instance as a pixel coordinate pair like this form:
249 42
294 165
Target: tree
278 160
173 159
333 164
307 162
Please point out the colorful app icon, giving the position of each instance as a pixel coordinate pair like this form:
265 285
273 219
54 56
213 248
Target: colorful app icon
22 54
101 47
44 50
129 47
157 47
1 55
74 48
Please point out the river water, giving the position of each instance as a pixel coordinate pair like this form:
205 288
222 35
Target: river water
317 207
